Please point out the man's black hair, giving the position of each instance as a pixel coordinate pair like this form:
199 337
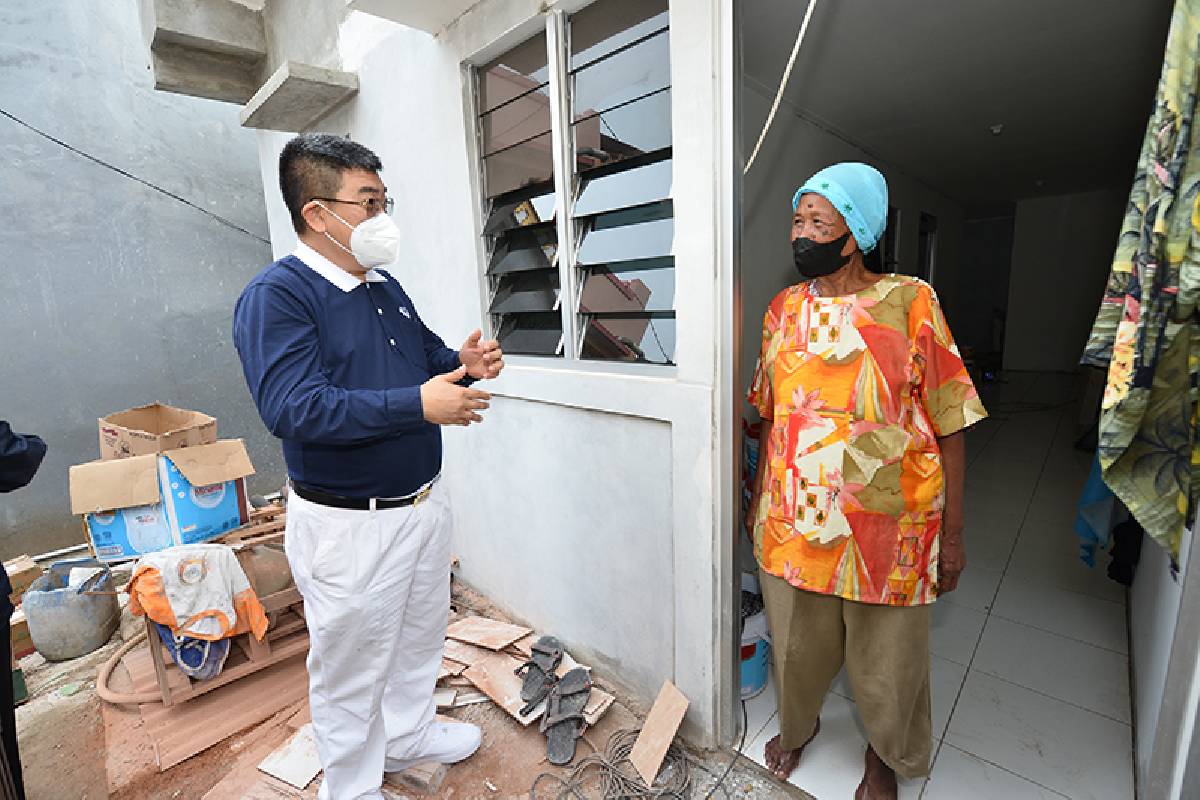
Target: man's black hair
311 165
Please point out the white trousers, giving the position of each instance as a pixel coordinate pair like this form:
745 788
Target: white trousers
376 587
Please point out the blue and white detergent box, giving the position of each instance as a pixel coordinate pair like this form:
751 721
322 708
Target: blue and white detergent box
148 503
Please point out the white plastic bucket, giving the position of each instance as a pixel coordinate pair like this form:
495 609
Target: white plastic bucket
756 646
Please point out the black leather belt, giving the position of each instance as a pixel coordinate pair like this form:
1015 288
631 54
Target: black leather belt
357 503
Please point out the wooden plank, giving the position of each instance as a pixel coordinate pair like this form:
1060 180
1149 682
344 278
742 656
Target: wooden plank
281 600
658 732
451 669
598 704
281 651
297 762
444 698
300 718
486 632
525 646
470 699
181 731
464 653
494 677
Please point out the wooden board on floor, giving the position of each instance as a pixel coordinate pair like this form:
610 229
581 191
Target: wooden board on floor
659 731
451 669
297 762
470 698
181 731
301 717
525 646
598 703
494 677
464 653
486 632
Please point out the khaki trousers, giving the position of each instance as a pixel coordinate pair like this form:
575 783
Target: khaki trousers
886 653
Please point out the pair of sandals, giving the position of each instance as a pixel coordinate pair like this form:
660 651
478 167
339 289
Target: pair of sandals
566 697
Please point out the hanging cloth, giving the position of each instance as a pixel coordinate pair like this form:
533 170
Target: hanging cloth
1146 333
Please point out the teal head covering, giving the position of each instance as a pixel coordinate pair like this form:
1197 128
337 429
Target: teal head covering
859 193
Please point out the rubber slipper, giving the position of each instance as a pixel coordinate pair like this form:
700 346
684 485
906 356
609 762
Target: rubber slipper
563 722
538 672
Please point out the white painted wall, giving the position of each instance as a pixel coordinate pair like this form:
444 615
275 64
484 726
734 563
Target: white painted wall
584 504
1153 610
1062 251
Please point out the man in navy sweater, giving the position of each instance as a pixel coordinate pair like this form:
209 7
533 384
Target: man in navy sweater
344 371
20 457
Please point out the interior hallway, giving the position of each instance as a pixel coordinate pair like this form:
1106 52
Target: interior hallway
1030 666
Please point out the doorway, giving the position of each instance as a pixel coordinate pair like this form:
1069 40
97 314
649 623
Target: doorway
970 111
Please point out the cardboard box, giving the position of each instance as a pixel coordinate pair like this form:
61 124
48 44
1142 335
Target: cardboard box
18 635
147 503
22 571
153 428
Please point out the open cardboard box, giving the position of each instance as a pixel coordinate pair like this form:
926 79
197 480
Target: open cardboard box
147 503
154 428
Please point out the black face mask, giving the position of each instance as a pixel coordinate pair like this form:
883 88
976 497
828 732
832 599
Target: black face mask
817 259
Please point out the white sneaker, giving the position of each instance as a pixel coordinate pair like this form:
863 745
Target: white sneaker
445 743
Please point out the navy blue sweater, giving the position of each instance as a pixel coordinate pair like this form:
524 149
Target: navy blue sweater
337 374
20 457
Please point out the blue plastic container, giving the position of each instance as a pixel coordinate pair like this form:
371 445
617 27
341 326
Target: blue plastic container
756 645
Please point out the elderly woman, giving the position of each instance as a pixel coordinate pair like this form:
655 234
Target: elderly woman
858 514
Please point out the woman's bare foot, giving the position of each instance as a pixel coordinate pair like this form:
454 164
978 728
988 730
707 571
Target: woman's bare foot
879 780
784 762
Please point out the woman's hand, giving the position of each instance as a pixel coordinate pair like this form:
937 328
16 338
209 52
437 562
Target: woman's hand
952 558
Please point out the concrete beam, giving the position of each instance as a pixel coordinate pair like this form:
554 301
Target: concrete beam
215 76
422 14
297 96
212 26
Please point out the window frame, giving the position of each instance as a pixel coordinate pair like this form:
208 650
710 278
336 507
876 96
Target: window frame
566 189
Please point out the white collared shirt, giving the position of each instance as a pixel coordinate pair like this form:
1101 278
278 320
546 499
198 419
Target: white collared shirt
331 271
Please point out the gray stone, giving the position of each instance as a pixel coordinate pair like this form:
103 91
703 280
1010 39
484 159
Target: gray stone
214 26
298 95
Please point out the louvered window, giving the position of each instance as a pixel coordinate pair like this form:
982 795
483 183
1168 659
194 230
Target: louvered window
601 81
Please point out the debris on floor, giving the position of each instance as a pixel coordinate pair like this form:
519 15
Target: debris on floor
251 738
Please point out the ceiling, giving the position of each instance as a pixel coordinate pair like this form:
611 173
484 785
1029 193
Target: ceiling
919 83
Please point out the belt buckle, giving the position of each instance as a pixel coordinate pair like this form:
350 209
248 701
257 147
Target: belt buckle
422 495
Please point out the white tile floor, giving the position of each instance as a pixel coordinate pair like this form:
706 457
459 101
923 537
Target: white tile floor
1030 673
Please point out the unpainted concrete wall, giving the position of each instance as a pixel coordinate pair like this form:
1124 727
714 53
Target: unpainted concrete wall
114 292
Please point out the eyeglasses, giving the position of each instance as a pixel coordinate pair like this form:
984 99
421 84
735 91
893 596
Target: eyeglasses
372 205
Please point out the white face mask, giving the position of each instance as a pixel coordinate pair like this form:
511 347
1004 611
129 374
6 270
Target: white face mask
373 242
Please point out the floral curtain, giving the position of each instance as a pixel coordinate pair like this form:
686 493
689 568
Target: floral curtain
1146 332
